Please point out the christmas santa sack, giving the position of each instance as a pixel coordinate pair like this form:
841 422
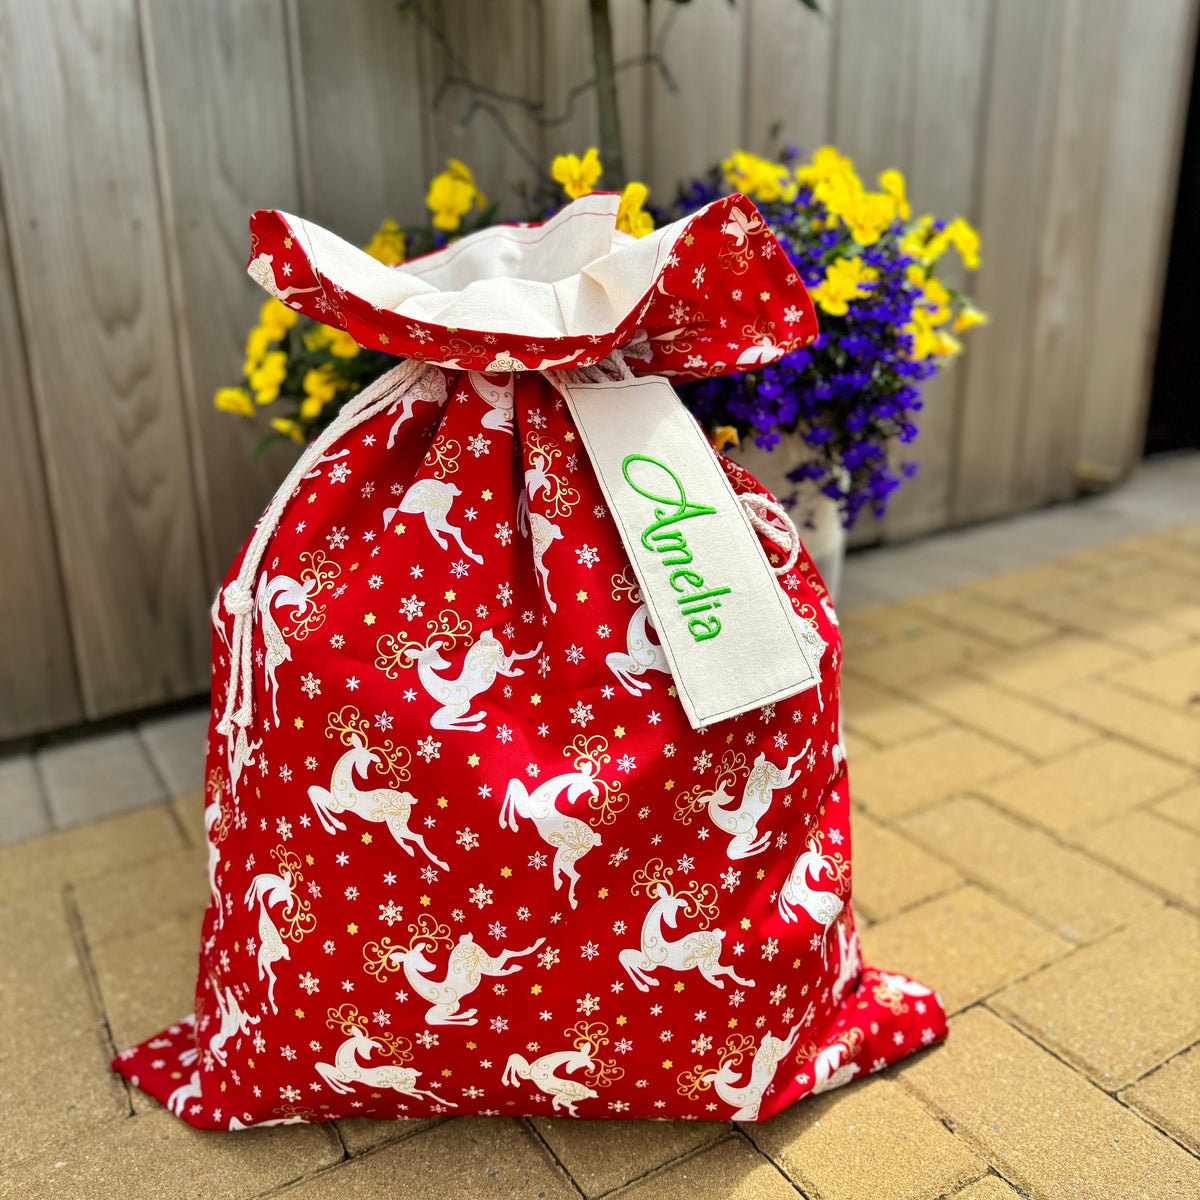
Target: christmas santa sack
525 787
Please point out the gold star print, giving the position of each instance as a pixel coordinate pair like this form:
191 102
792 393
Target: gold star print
728 738
581 596
486 494
442 802
536 990
745 922
568 436
667 1064
795 964
622 1020
312 497
764 296
472 1045
672 692
679 986
733 1022
668 785
472 760
383 339
619 732
761 873
368 618
352 928
299 722
224 1082
354 566
366 839
237 947
446 1072
300 1013
535 699
287 243
506 872
425 901
308 858
399 528
449 595
688 239
603 893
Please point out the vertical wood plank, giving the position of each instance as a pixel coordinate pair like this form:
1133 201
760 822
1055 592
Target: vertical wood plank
703 44
949 70
1137 195
631 21
566 62
1066 275
1015 165
360 91
220 88
789 75
38 687
88 252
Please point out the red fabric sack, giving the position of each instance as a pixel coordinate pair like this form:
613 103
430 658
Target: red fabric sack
467 854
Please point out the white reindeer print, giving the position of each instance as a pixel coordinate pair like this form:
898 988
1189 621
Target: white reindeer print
240 750
830 1068
700 950
345 1072
266 890
849 962
290 593
570 837
432 499
499 399
178 1099
212 818
566 1093
263 273
747 1096
823 907
543 533
233 1021
484 660
325 458
764 780
234 1123
465 969
387 805
429 387
813 648
641 654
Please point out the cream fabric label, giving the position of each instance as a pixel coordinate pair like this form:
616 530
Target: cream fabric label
727 629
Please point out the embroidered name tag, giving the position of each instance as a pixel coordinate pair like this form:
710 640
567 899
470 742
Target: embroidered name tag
727 630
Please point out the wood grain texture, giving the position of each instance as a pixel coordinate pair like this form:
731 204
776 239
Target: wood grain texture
220 94
38 687
789 75
1025 52
1137 196
948 73
567 62
88 251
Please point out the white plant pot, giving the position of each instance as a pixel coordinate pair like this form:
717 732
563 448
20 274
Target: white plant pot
817 517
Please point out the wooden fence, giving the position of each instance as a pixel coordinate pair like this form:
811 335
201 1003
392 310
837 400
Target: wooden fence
136 136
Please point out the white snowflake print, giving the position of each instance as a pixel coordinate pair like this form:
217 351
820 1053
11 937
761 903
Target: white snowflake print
626 762
778 993
504 536
599 511
480 895
548 957
497 930
383 721
390 912
411 607
337 538
538 860
337 641
588 1004
310 685
730 879
467 839
429 749
283 828
478 445
581 714
589 951
702 1044
588 556
460 568
426 1039
339 473
575 655
703 761
770 949
504 733
504 594
792 313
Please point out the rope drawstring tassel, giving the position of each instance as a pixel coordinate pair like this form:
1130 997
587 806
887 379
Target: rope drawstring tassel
781 532
238 597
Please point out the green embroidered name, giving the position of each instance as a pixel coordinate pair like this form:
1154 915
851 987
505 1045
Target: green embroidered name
664 538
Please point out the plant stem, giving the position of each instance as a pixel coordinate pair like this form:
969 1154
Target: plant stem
611 154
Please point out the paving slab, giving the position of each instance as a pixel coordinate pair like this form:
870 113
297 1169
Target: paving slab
176 746
900 662
97 777
189 811
867 1141
731 1170
23 809
1117 1008
1019 723
973 613
1182 807
1062 888
602 1155
1046 1128
138 897
470 1158
360 1134
1043 579
965 945
1095 783
1154 850
1170 1097
1172 678
891 872
86 851
54 1053
900 779
1164 730
990 1187
157 1156
1094 613
883 716
1053 664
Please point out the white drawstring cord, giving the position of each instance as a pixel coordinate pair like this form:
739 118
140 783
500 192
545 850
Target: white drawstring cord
238 596
786 538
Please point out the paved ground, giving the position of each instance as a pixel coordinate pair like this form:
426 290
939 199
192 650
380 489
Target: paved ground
1025 760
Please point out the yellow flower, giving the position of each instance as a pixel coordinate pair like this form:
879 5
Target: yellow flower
968 317
317 338
843 282
388 244
725 437
915 275
915 239
276 318
892 183
965 240
289 428
631 219
826 164
258 342
577 175
451 195
322 383
759 178
310 409
234 400
267 378
929 342
936 301
868 215
342 345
